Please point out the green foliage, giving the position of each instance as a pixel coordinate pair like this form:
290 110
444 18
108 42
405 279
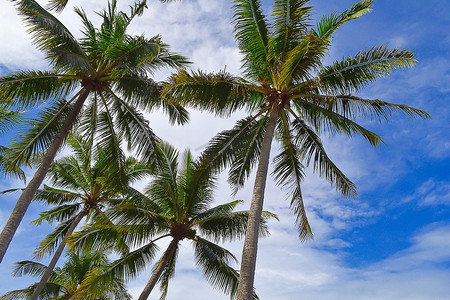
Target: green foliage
110 64
66 282
283 70
177 206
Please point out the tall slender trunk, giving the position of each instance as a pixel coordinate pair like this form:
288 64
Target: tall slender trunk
248 263
162 264
27 195
57 255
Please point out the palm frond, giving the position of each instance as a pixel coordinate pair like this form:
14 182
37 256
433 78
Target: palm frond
290 25
58 214
231 226
219 93
28 267
329 24
326 120
123 268
248 154
29 89
37 134
52 240
167 274
353 73
222 149
288 171
9 119
352 107
214 261
135 128
57 5
251 32
52 37
311 150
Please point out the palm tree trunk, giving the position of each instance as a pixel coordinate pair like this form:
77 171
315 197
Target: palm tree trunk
57 255
162 264
27 195
248 263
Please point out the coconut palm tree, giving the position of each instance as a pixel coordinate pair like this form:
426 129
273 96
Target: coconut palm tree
292 98
84 184
178 207
104 76
65 282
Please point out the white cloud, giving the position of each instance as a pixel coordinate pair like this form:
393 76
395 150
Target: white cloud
431 193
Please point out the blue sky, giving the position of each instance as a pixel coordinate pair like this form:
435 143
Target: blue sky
393 242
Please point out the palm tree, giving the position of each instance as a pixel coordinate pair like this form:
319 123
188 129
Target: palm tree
65 282
106 71
178 208
292 98
83 185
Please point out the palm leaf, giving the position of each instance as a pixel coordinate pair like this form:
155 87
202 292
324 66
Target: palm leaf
251 32
353 73
29 89
311 149
219 93
37 134
52 37
290 24
288 171
329 24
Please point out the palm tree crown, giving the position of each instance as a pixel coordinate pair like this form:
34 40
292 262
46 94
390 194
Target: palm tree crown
66 282
84 184
292 98
178 206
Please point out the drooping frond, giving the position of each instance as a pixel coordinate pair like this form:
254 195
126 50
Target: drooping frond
214 261
168 273
109 139
29 89
50 291
222 149
52 240
288 171
37 134
28 267
251 32
134 128
6 168
353 73
219 93
52 37
58 214
352 107
125 267
57 5
53 196
312 151
325 120
248 154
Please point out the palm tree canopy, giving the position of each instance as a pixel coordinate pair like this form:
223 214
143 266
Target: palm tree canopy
178 205
66 282
112 66
82 181
284 74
